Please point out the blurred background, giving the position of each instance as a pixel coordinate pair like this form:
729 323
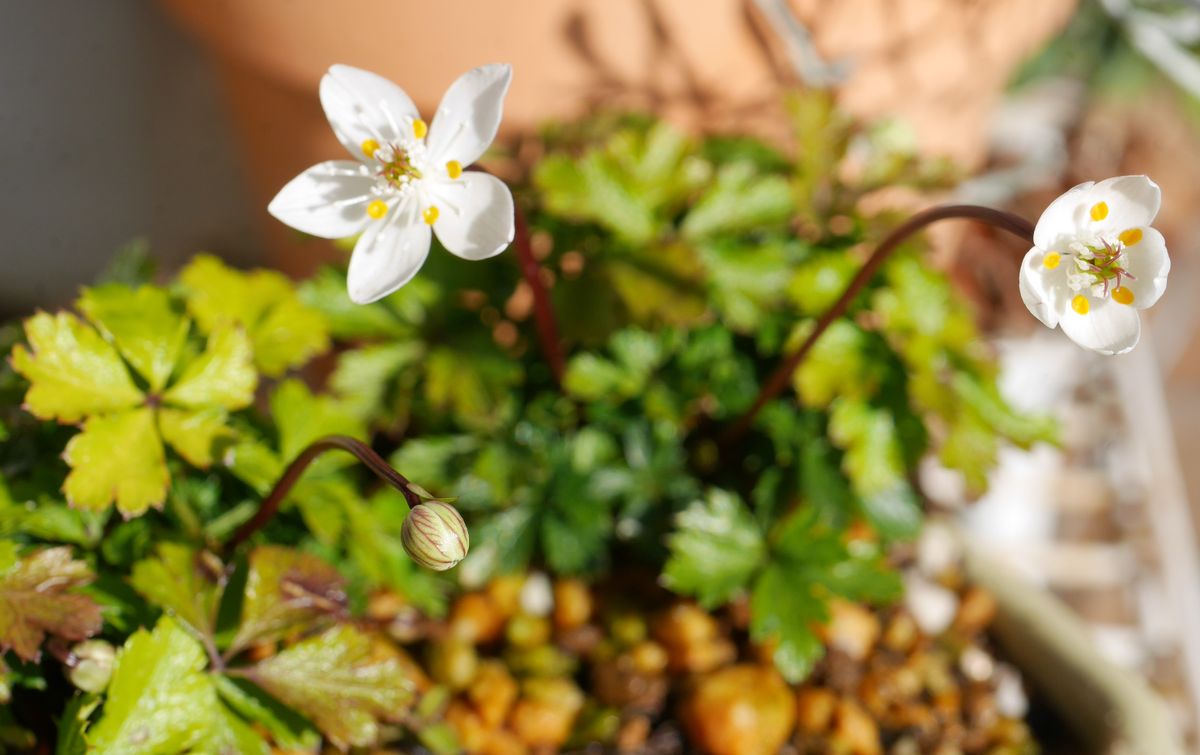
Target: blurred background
174 122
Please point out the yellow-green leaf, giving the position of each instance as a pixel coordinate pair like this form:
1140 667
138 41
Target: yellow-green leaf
302 418
283 330
222 376
340 682
159 700
196 435
72 371
182 581
117 457
143 326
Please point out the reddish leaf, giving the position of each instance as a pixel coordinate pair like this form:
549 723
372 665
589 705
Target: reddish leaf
286 589
34 601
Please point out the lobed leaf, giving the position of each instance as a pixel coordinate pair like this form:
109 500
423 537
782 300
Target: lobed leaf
339 681
117 458
72 371
143 326
159 700
37 598
285 590
715 550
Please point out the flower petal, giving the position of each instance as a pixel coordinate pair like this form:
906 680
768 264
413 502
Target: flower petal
1062 218
388 255
475 215
1148 262
361 105
1108 327
327 200
1043 290
469 114
1130 202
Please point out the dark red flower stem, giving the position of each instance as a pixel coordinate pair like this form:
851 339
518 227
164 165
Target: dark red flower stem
543 310
778 381
361 451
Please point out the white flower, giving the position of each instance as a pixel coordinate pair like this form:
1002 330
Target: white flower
406 179
1096 261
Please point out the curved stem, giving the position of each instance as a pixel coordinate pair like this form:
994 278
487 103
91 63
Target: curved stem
543 311
361 451
779 379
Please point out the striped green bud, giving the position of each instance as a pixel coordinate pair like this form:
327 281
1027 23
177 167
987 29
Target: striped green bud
435 535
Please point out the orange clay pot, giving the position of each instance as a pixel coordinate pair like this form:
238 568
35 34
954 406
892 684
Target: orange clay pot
716 65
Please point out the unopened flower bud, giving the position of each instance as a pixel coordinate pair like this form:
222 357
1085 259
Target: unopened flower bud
435 535
91 665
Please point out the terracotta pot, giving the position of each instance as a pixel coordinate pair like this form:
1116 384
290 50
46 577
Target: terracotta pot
720 64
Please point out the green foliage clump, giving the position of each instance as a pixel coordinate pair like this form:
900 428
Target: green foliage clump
681 271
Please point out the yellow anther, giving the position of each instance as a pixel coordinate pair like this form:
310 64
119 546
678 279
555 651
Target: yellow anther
1099 211
1131 236
369 146
454 169
1122 295
430 214
377 209
420 129
1051 260
1080 304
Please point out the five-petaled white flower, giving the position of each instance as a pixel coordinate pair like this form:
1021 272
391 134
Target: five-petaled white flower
406 179
1096 261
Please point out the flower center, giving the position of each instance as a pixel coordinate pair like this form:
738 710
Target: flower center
1097 268
397 162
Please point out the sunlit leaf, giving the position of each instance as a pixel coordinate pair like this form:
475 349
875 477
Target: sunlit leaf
338 681
197 435
117 458
222 376
72 371
303 417
159 700
284 332
143 326
740 198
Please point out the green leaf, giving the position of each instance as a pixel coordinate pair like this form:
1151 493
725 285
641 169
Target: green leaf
820 280
288 730
222 376
839 364
73 723
159 700
875 464
37 597
285 590
143 326
184 582
254 464
809 565
715 549
748 279
739 199
787 614
227 734
985 399
339 682
303 417
72 371
283 331
391 319
197 435
590 377
362 377
117 458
